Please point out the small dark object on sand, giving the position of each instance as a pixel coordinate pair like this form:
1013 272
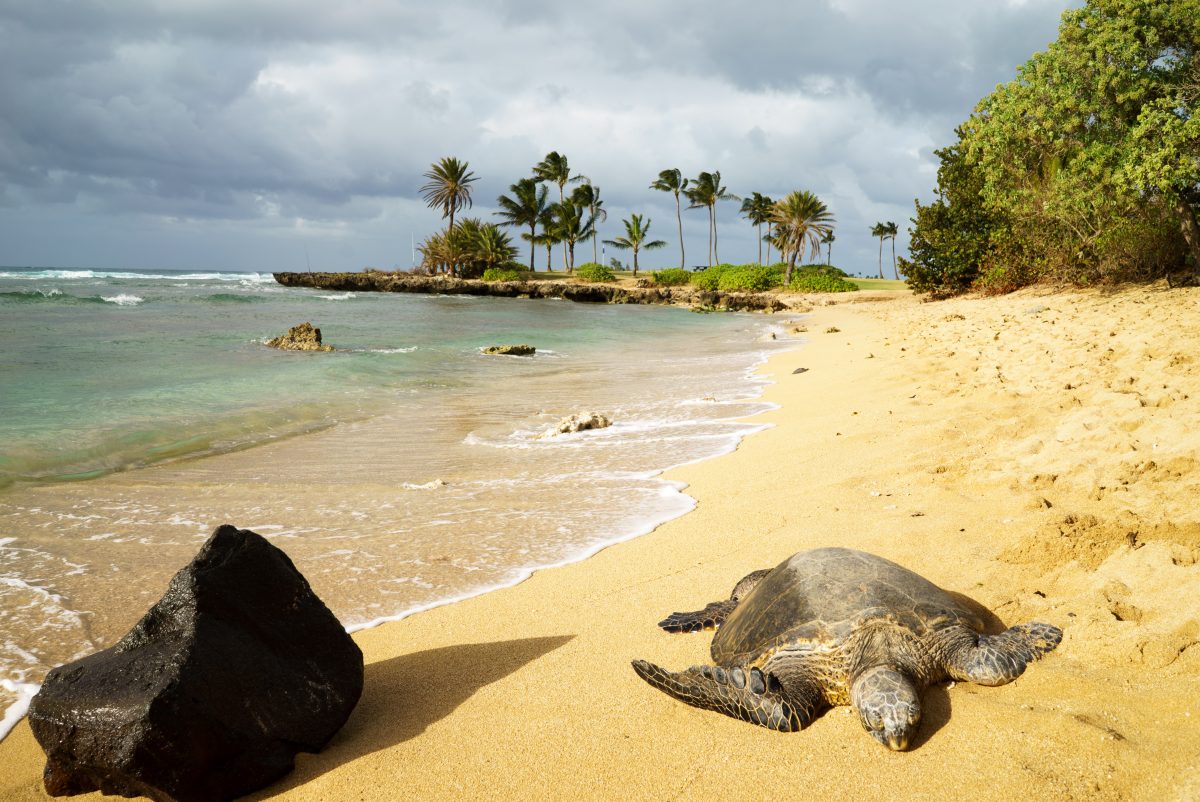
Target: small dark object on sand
209 697
800 370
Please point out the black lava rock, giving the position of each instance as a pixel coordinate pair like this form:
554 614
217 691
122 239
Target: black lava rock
211 695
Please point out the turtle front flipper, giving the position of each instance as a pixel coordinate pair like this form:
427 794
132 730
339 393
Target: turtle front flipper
747 695
1000 659
711 617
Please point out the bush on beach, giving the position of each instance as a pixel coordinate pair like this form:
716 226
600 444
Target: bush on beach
672 277
506 274
739 278
594 273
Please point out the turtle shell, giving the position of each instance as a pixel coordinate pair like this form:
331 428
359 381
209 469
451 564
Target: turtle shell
817 598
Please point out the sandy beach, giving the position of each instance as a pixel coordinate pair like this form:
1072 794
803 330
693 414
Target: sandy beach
1037 452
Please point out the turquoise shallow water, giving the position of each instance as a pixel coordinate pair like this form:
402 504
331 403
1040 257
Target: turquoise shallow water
105 371
140 410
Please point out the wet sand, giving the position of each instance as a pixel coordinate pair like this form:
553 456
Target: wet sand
1037 452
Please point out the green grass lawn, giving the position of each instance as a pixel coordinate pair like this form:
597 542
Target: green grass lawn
880 284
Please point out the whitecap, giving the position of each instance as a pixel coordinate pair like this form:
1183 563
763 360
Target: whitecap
124 299
433 485
344 296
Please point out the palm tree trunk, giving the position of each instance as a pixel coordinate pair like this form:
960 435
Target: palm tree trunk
532 246
895 274
711 229
829 254
787 279
881 257
715 257
549 248
561 199
679 219
768 240
635 265
595 236
758 233
571 251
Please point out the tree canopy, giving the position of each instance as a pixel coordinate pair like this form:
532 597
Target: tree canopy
1084 168
449 186
637 233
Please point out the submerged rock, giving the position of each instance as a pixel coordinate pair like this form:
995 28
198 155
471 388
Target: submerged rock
236 669
579 423
511 350
304 337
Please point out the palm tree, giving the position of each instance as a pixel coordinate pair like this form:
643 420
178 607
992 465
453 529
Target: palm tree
588 196
554 169
449 186
467 250
570 228
524 208
635 238
706 190
492 247
891 230
827 241
673 181
880 230
800 219
757 209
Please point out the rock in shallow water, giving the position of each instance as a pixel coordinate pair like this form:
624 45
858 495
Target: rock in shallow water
304 337
238 667
510 350
580 422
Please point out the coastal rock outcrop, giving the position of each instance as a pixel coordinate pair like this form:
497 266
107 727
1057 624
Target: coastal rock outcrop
510 350
304 337
238 667
579 423
582 293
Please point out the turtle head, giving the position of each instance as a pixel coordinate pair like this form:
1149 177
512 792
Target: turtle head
888 705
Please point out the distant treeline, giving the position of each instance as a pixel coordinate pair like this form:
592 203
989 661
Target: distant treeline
1084 169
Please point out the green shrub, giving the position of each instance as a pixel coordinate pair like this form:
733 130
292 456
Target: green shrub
828 270
818 281
672 277
505 274
734 278
707 279
749 278
592 272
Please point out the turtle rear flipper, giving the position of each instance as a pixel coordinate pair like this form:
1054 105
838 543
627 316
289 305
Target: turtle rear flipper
711 617
1000 659
714 613
747 695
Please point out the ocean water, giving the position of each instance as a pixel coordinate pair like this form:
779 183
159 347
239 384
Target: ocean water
140 410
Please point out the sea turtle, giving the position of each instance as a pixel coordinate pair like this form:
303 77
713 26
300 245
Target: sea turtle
835 626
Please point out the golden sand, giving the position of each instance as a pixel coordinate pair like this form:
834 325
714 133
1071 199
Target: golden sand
1039 452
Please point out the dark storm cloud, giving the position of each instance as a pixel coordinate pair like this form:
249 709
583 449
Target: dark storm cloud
319 118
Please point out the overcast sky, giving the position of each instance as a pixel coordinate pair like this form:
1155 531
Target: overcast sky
267 134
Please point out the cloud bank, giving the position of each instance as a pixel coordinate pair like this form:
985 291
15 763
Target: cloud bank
245 135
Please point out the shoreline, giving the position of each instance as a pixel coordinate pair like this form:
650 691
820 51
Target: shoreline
748 390
927 433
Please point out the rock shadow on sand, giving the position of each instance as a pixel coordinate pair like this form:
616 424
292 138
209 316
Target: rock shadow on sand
404 695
